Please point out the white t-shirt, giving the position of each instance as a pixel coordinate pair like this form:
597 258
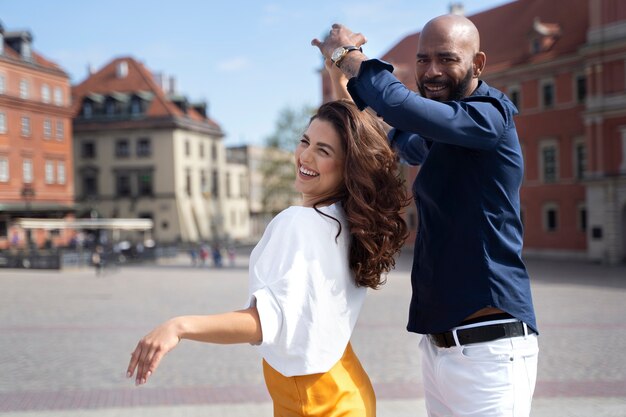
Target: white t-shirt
303 288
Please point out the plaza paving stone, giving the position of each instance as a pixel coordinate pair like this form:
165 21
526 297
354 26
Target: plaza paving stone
66 337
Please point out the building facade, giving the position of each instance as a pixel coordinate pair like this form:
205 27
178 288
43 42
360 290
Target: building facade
36 175
564 66
271 177
144 151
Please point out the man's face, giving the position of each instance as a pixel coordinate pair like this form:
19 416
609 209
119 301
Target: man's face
444 68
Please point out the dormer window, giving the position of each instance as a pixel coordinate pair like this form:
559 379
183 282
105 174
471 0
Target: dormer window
543 36
135 106
122 69
110 107
87 110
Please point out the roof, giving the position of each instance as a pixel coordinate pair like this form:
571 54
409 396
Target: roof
506 33
37 59
138 80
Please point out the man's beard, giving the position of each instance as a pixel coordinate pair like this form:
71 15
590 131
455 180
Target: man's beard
456 93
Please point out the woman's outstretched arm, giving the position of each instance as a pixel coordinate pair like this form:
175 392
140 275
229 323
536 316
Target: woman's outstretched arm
243 326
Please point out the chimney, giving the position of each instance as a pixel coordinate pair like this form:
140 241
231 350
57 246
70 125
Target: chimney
121 71
90 70
171 85
457 9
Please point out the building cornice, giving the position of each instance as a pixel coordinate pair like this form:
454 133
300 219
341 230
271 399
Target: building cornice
34 66
17 103
90 125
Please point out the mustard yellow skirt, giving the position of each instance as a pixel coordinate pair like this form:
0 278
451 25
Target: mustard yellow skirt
345 390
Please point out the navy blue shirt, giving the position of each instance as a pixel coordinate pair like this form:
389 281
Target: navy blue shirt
468 249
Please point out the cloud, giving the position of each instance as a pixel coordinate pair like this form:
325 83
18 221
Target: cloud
234 64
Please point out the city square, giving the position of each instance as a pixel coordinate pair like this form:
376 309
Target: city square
67 336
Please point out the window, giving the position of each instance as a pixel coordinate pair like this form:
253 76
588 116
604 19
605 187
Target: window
110 107
4 228
145 183
144 147
228 185
4 169
60 172
580 159
88 150
90 184
213 152
215 189
187 148
201 150
58 96
123 187
47 128
49 172
87 110
581 88
45 93
135 106
203 182
548 162
550 217
547 94
582 217
514 95
60 130
23 88
25 126
188 183
3 123
27 171
2 84
122 148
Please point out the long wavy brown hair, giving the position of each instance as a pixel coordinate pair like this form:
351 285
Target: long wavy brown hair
372 195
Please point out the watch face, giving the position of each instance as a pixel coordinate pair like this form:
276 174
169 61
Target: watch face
337 53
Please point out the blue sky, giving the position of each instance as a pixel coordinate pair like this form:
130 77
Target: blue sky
247 59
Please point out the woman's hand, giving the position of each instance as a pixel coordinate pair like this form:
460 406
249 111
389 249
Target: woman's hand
151 349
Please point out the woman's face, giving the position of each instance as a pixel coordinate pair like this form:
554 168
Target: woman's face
319 162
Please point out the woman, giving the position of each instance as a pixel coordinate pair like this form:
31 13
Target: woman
310 271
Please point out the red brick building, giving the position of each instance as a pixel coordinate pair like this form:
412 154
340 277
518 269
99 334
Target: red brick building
36 177
564 65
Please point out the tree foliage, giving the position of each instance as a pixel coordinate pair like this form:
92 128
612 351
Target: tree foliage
277 166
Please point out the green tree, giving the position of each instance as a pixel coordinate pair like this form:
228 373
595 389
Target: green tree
277 165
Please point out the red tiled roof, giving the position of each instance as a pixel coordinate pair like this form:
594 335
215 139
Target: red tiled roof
38 59
139 78
505 35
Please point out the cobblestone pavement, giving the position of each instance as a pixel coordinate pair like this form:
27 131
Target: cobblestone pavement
65 340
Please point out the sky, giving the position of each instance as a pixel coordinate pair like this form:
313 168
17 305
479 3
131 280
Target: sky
247 59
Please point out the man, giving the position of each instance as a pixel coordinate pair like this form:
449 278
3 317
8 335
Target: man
471 291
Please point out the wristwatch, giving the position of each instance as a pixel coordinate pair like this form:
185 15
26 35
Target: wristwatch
340 53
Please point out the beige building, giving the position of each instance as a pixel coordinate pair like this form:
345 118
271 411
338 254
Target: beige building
142 151
270 175
236 217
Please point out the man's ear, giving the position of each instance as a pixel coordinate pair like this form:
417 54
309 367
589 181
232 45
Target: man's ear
480 59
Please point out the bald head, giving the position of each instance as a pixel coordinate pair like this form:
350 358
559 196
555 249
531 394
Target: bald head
449 60
453 27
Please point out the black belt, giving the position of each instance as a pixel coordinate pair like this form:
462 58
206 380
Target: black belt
480 334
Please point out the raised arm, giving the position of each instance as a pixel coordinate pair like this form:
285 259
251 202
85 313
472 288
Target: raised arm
241 326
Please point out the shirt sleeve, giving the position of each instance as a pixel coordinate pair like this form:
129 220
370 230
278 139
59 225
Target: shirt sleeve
304 295
411 147
475 122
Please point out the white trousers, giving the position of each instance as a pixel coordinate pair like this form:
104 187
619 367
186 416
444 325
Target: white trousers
491 379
